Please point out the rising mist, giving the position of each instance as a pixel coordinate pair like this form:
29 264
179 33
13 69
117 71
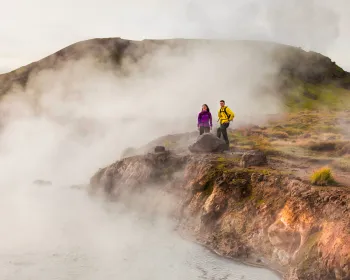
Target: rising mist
70 121
74 120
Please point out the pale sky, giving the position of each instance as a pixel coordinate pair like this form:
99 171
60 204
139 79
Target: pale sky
30 30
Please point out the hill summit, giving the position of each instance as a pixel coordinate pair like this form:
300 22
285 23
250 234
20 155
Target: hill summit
303 78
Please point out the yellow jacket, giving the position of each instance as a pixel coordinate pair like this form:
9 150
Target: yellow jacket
225 114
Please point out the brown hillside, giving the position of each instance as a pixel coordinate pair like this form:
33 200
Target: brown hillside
294 63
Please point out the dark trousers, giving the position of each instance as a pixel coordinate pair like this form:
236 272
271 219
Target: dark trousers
204 129
223 130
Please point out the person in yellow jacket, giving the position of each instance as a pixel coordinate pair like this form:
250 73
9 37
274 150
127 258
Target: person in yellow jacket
225 116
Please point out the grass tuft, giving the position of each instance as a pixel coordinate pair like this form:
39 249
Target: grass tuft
322 177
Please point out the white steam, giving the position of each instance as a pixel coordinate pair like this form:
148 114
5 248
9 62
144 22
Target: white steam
69 122
57 233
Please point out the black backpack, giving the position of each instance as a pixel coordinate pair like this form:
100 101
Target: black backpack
228 115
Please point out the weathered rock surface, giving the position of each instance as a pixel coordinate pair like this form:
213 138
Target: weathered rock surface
135 172
253 158
258 216
208 143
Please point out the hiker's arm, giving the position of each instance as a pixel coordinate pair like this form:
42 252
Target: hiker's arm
232 115
210 120
199 119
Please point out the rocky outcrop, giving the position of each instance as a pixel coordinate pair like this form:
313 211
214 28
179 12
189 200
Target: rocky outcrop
254 215
135 172
208 143
253 158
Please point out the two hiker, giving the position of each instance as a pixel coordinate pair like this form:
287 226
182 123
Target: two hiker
225 115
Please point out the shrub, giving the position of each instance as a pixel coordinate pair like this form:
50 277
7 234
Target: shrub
322 177
260 142
279 134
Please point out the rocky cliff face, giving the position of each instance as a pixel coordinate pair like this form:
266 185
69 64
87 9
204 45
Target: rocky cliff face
256 214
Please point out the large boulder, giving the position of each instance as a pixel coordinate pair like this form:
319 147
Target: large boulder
253 158
208 143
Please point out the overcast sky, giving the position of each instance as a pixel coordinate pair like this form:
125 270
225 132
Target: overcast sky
30 30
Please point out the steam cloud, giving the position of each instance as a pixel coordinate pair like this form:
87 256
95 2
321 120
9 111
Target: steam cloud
86 116
68 123
309 24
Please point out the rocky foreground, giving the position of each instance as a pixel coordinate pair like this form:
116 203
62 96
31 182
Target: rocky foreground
242 208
